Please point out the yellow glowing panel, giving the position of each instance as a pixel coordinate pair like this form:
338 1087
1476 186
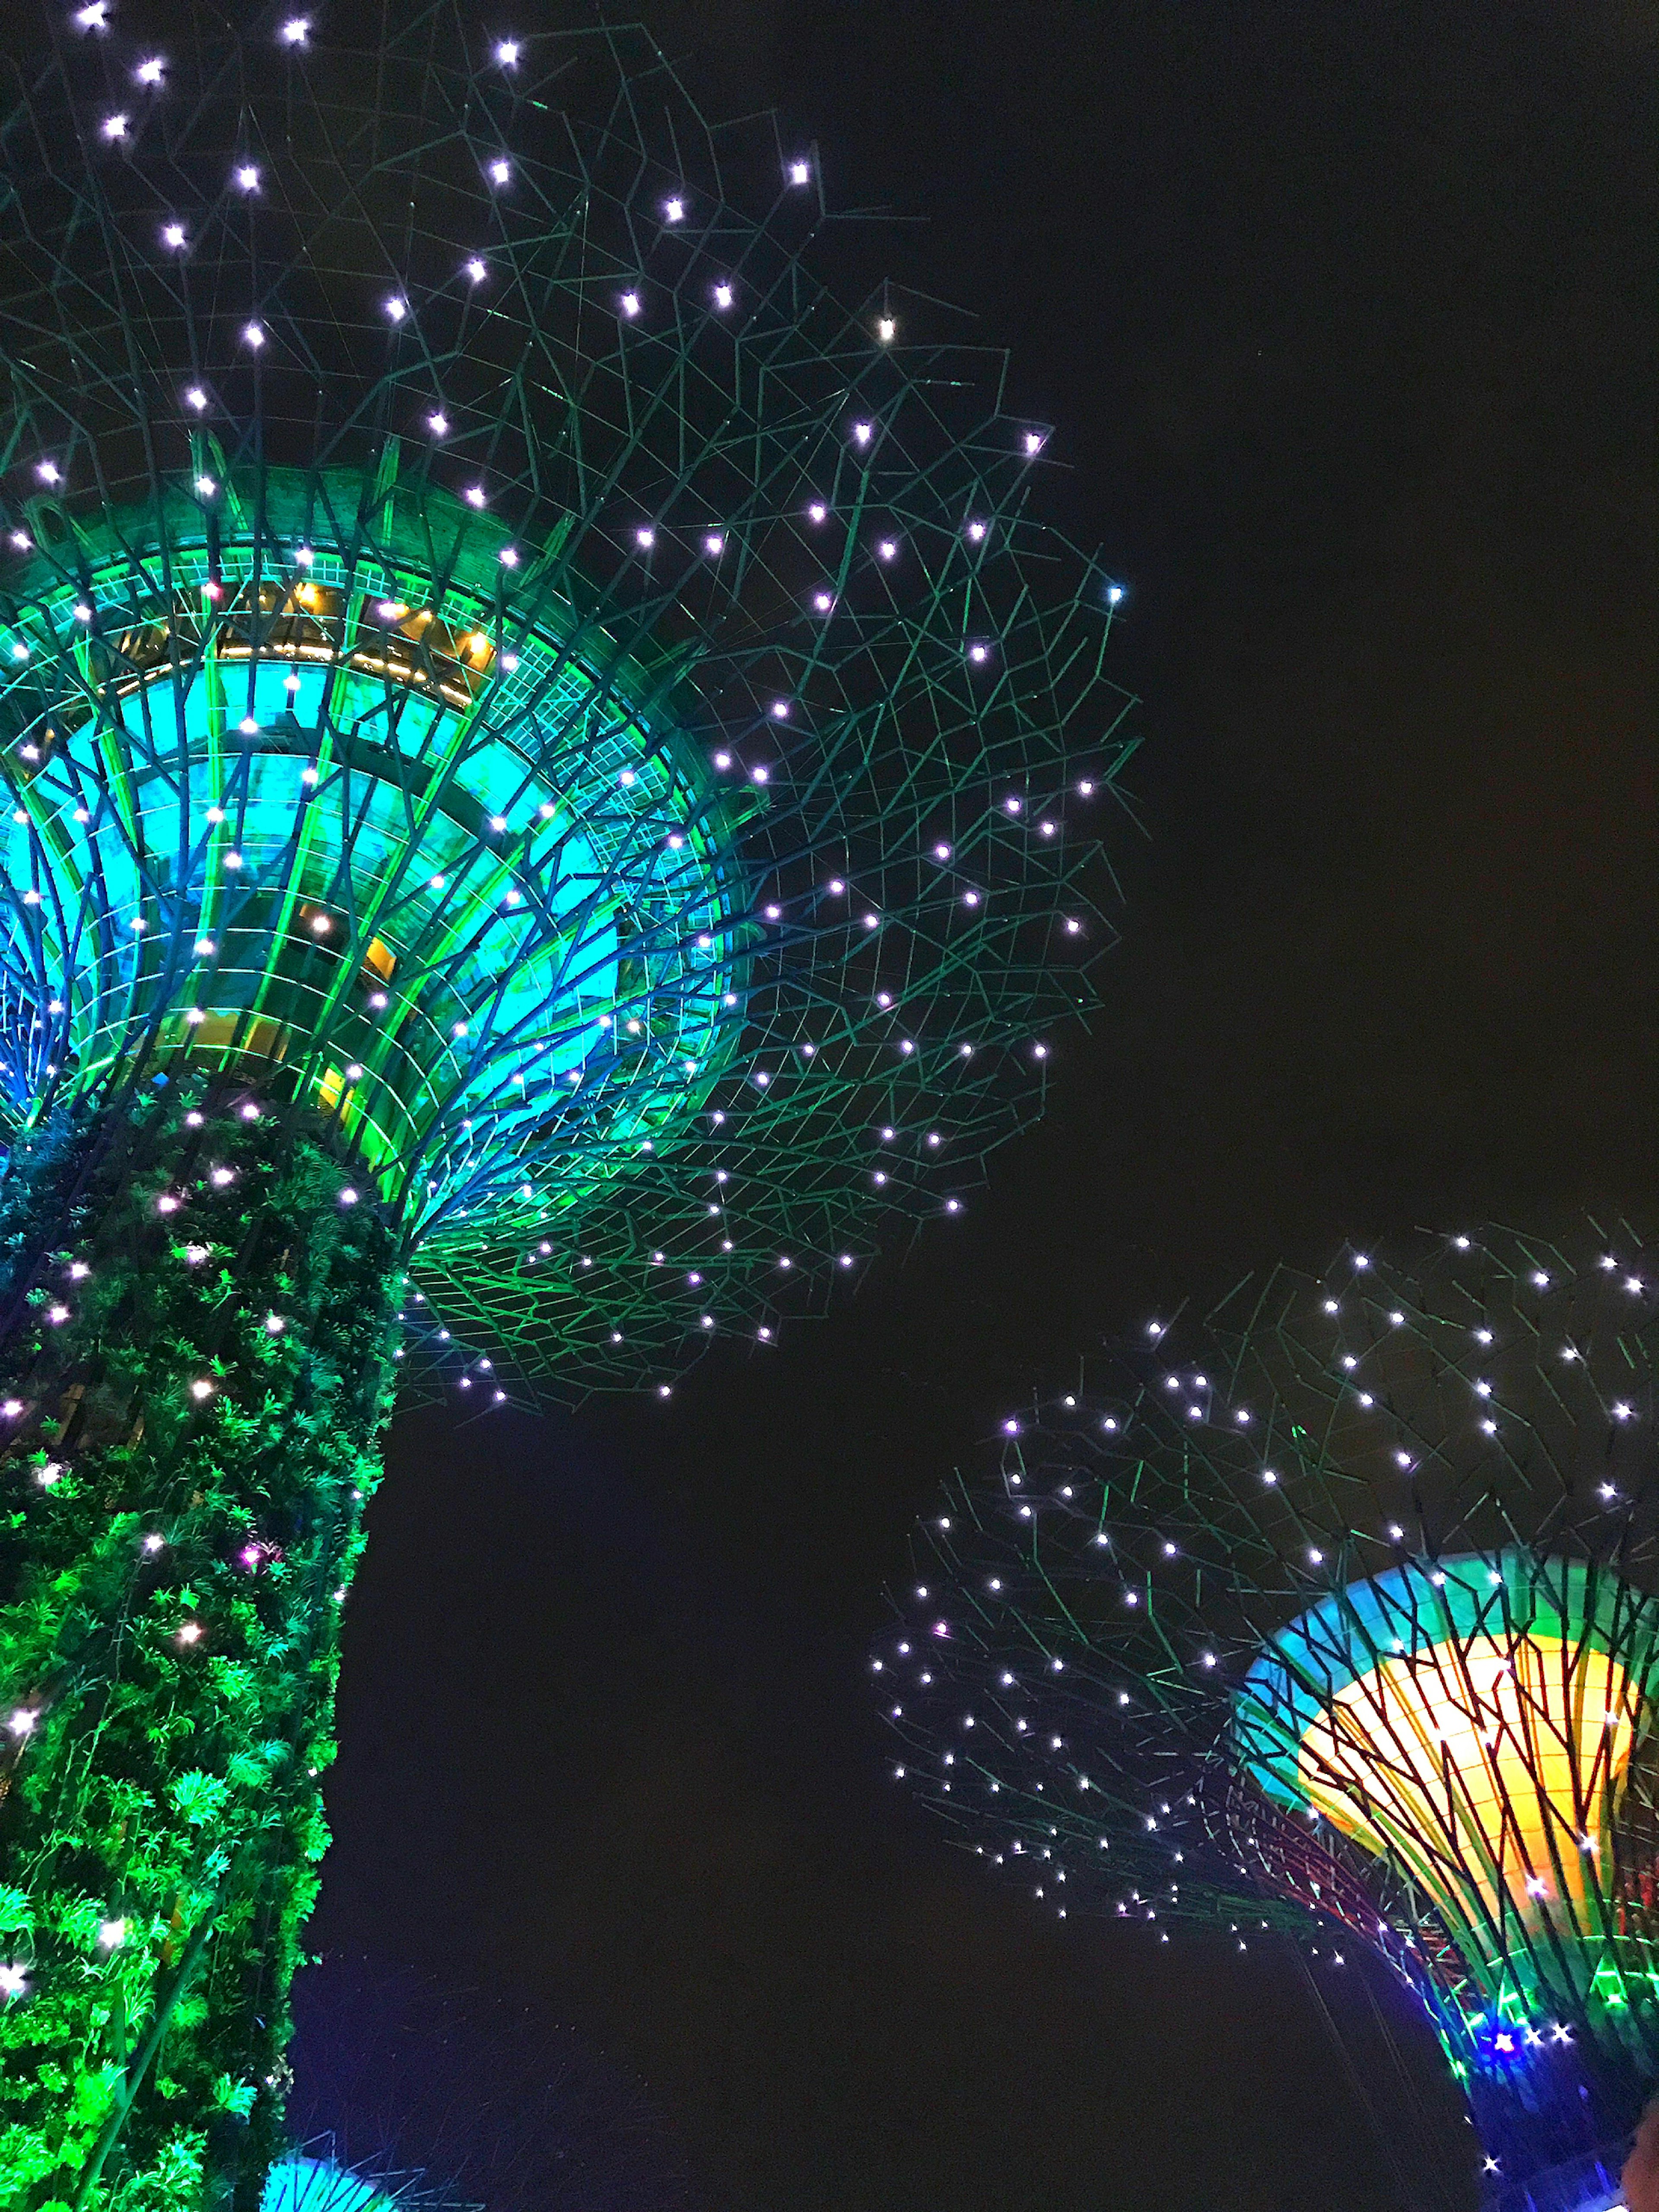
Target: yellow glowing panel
1485 1767
228 1034
332 1089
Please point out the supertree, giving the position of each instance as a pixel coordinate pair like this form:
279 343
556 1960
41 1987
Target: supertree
1334 1614
397 2072
410 2096
546 761
317 2178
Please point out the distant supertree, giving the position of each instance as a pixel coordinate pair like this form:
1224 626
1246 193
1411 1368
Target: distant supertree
319 2178
509 2106
545 762
1339 1611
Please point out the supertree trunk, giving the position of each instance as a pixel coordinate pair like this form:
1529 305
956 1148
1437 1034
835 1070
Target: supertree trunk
197 1314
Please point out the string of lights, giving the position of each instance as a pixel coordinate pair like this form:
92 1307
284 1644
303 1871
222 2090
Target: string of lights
1333 1615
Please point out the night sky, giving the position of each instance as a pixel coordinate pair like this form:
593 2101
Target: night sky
1343 314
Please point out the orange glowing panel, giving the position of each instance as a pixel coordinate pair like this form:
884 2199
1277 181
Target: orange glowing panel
1491 1768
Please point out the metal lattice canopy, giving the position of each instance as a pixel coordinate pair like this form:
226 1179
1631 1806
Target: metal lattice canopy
1340 1607
314 2179
491 648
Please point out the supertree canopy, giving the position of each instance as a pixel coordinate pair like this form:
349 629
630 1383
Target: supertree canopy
410 2097
548 770
398 2074
316 2179
1337 1611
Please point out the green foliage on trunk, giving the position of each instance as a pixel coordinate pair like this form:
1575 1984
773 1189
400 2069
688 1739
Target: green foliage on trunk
181 1490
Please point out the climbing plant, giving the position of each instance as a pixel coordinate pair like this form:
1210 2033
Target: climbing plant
198 1314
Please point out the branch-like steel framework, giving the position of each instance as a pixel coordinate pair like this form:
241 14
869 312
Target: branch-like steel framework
499 2101
484 632
313 2179
549 770
1337 1612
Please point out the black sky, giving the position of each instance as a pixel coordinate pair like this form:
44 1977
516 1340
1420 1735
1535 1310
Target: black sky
1344 312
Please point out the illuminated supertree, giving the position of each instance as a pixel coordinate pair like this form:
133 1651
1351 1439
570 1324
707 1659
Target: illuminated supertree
398 2081
396 2073
1337 1611
316 2179
546 762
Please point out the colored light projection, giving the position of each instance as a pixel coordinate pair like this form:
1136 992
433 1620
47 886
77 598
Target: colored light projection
1475 1725
333 837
